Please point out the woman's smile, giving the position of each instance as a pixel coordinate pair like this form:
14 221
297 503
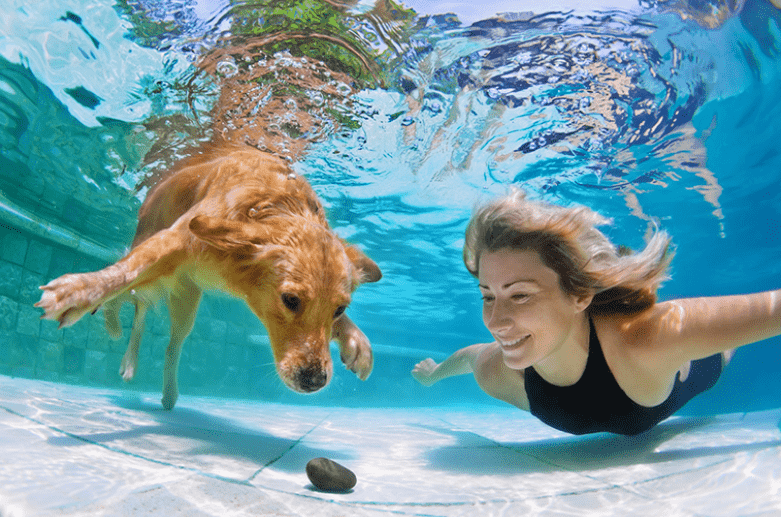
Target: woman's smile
509 346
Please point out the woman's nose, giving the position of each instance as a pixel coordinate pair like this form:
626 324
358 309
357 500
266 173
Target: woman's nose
497 318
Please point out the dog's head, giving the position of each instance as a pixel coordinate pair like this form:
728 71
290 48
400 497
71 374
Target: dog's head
298 277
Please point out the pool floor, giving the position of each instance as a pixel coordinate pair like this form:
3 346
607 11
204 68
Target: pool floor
70 450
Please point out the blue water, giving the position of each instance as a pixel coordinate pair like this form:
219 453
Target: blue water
402 117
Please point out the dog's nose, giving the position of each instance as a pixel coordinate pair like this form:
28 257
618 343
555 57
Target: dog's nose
312 379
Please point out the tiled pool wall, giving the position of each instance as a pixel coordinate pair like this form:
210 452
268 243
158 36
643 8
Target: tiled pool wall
227 353
227 339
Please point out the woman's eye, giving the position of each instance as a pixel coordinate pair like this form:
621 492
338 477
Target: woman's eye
520 297
339 311
292 302
487 299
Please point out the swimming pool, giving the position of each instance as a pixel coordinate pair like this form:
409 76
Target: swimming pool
402 117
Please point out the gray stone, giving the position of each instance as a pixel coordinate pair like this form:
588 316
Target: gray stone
329 476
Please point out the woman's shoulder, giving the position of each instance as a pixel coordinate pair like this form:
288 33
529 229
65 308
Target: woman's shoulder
631 341
634 331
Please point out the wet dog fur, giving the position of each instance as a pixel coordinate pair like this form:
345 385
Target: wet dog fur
237 220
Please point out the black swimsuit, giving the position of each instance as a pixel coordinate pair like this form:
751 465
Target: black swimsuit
596 403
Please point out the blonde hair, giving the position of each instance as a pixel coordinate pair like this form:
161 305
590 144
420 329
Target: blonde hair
570 244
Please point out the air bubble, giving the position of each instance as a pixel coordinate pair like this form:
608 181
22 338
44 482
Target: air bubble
227 68
343 89
316 97
435 106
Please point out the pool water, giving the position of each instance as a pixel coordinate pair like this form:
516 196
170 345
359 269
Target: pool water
402 116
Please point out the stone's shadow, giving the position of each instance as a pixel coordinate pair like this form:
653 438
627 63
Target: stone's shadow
313 488
575 453
217 436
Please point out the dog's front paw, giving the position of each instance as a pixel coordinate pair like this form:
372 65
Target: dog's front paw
356 352
129 366
67 298
170 396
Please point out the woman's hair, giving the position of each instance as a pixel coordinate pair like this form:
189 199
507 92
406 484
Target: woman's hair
569 243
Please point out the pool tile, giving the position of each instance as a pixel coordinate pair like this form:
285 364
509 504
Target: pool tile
69 450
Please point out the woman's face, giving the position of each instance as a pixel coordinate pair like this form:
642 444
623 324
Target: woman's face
524 307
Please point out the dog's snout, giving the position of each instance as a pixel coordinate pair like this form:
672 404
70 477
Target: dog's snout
312 379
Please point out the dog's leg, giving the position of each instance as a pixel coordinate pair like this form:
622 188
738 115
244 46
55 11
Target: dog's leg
182 308
69 297
129 366
354 347
111 315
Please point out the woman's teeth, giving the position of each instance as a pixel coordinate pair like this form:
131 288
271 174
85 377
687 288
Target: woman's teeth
510 345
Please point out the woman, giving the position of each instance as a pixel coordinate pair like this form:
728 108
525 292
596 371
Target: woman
580 340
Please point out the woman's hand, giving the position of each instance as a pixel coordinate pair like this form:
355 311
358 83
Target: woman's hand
424 371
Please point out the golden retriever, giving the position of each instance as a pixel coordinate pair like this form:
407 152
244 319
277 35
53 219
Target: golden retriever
238 220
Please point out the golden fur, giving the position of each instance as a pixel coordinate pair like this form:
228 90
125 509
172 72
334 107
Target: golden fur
238 220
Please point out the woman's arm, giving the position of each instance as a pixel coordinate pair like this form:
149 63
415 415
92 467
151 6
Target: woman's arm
485 361
428 372
693 328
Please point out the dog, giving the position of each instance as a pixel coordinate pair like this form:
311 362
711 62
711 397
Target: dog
238 220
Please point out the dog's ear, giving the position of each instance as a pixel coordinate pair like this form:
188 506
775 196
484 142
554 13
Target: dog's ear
369 270
225 234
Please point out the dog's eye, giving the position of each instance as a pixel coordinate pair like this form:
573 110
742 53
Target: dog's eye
339 311
291 301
